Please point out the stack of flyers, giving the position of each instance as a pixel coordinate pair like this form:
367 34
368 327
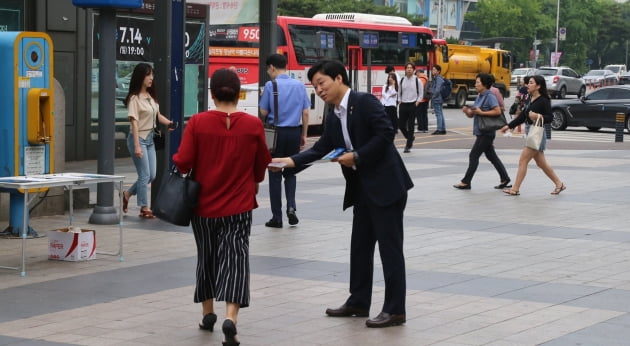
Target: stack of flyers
334 154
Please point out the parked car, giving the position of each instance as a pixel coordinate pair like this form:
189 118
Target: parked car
598 78
617 69
519 73
562 81
624 78
122 88
595 110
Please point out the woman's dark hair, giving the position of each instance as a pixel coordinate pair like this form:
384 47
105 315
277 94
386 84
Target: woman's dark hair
225 85
137 79
395 78
540 80
331 68
486 80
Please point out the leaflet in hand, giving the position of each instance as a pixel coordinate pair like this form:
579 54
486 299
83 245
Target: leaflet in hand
333 154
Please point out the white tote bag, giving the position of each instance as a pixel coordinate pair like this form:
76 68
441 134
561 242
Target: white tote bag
535 134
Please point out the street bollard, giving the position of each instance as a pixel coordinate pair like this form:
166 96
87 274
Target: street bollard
620 117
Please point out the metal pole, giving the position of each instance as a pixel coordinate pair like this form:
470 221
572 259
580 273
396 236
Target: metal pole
557 31
268 37
104 212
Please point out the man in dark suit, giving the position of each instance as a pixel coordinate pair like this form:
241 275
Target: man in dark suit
376 186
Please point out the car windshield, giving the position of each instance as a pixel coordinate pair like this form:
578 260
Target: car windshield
547 72
519 71
615 69
595 73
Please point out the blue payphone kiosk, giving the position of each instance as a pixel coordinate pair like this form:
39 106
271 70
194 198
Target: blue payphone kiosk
26 113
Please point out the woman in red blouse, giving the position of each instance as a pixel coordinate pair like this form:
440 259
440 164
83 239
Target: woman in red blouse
227 153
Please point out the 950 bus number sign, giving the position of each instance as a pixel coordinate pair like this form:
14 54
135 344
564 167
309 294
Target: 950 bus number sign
249 34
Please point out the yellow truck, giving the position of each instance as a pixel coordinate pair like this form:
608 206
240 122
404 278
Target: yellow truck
461 63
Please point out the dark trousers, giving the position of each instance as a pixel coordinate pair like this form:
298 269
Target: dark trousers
407 117
372 224
391 113
423 116
484 145
287 144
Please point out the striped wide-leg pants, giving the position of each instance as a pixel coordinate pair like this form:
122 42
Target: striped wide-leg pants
223 258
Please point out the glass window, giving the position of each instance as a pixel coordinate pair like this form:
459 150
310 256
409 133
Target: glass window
601 94
307 47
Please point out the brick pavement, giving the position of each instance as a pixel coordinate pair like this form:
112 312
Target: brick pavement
482 268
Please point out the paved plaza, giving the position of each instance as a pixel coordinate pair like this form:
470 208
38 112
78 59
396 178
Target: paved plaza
483 268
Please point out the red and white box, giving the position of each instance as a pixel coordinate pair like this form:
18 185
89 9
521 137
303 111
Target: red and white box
69 245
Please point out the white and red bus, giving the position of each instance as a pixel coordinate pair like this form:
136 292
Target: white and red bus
304 41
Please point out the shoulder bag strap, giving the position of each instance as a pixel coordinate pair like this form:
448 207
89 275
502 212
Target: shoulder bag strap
275 102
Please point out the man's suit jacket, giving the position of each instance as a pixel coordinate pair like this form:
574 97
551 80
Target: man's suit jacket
381 174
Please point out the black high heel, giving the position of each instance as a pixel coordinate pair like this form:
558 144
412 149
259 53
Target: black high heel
208 321
229 330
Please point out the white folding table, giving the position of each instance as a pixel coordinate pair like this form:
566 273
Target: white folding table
68 181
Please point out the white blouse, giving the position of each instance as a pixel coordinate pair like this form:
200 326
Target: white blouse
389 97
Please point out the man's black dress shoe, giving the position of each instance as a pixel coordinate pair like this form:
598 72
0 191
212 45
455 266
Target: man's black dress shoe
385 319
407 150
293 220
503 185
462 186
273 223
347 311
208 321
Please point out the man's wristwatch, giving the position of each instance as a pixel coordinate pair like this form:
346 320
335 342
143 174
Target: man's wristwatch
355 156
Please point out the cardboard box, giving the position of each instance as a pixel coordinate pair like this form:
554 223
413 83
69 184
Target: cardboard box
69 246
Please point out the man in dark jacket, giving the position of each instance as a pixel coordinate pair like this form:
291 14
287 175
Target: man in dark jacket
376 186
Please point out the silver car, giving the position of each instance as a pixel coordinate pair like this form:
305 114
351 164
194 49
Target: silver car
562 81
519 73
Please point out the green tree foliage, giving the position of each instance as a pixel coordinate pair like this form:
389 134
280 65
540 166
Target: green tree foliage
596 29
309 8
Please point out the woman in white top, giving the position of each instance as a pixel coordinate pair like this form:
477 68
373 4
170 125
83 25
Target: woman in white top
143 113
389 98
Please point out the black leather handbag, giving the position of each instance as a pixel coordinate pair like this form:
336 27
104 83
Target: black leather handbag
177 198
488 124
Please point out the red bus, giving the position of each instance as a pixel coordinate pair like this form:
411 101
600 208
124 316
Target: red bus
304 41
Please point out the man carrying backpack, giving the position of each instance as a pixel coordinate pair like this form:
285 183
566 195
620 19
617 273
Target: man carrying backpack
409 97
437 100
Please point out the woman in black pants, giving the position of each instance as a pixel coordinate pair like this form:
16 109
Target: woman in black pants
487 105
389 98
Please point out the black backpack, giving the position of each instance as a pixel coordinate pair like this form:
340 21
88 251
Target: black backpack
446 89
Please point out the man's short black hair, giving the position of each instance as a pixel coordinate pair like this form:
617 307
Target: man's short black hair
389 68
277 61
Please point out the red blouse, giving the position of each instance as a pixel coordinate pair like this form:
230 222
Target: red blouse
226 162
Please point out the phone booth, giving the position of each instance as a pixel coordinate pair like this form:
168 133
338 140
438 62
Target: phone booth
26 113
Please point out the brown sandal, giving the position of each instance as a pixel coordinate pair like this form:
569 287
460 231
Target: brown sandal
557 190
125 202
511 192
146 214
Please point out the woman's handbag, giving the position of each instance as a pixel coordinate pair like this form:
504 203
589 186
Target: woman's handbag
158 139
535 134
488 124
177 198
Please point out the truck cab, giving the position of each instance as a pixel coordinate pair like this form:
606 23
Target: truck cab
461 64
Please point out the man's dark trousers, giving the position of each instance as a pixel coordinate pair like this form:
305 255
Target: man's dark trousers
287 144
372 224
423 116
406 119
